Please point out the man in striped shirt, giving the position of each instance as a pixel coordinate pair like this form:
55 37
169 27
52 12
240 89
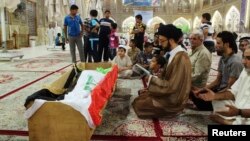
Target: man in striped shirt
105 30
208 32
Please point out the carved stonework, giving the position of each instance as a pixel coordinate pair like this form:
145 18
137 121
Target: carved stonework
183 6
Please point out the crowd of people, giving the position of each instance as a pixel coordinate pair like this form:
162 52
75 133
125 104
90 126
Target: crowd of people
174 76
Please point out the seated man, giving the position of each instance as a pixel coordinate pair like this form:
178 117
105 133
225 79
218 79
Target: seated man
244 43
236 99
201 62
124 63
59 42
166 95
230 67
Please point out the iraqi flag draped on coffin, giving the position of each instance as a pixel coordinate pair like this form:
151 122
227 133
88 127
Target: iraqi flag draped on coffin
90 95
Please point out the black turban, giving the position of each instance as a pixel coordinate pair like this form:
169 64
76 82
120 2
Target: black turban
170 31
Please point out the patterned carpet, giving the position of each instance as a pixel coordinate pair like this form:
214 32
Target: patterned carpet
11 80
14 120
35 65
63 56
189 123
118 123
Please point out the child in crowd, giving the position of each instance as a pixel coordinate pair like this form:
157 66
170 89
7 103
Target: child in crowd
157 49
124 63
59 41
93 35
133 51
113 41
156 65
145 56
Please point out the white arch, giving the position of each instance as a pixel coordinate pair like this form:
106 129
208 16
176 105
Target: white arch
128 23
217 22
197 22
155 20
232 19
181 21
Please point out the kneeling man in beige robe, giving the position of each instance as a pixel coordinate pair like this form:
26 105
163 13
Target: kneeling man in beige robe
167 95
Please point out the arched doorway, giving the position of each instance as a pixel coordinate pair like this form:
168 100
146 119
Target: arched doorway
183 24
217 21
232 20
152 22
128 24
197 23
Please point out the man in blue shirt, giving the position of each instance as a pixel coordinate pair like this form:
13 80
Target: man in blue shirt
73 33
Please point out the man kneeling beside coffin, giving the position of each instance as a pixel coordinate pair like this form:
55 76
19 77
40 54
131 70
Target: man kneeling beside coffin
167 95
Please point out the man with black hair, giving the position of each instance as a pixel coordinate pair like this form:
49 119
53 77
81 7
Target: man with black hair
105 30
166 95
232 106
157 49
93 36
229 69
73 33
208 31
139 31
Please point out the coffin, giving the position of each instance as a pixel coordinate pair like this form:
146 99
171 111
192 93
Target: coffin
55 121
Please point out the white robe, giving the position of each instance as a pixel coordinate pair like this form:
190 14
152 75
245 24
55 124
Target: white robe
241 91
50 34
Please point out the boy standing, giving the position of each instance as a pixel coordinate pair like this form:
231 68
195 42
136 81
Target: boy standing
93 36
73 33
139 31
105 30
113 41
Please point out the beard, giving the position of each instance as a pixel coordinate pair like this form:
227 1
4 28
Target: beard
167 48
219 52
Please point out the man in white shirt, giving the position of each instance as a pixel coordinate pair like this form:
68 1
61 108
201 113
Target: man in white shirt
208 32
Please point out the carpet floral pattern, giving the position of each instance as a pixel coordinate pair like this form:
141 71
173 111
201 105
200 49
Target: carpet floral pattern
12 109
115 123
29 65
11 80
